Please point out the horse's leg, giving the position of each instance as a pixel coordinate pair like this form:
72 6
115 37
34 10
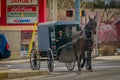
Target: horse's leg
79 68
84 60
89 60
77 56
79 60
76 52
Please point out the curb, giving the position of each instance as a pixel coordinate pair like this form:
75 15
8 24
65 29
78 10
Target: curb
3 74
11 74
14 61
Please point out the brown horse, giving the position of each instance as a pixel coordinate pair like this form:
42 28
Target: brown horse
85 44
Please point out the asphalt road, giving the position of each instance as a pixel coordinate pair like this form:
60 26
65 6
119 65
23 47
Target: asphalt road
103 70
106 74
61 66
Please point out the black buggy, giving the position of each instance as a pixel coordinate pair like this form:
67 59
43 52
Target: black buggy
54 42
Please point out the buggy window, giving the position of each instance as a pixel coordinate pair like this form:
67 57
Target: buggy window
71 30
59 29
74 30
67 30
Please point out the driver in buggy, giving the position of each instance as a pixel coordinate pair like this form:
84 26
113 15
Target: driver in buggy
60 40
60 34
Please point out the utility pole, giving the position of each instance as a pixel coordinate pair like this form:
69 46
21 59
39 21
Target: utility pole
54 10
77 10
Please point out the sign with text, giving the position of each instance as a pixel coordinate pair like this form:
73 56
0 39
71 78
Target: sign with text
21 9
22 14
21 2
21 20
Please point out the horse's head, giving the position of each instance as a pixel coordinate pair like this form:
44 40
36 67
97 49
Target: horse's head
92 24
90 28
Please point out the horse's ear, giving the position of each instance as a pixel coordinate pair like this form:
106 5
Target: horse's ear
89 18
95 18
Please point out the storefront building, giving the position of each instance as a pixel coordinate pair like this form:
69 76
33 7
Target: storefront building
17 18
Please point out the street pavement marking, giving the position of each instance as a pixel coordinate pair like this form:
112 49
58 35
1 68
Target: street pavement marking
9 66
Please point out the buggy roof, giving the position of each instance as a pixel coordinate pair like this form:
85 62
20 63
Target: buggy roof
57 23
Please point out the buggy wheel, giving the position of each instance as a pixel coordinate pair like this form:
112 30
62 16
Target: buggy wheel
70 66
50 60
34 60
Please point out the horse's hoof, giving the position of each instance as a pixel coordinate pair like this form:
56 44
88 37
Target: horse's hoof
90 70
79 72
82 66
79 69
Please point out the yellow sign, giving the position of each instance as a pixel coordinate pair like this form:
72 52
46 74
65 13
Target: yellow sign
22 14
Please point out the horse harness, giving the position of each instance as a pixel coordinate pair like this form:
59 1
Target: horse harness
87 36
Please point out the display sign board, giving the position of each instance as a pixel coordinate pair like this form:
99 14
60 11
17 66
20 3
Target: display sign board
21 8
22 11
21 2
21 14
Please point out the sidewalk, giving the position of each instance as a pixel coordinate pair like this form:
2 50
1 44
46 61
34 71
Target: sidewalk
115 58
14 61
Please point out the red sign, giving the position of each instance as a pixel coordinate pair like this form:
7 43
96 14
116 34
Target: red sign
21 9
0 8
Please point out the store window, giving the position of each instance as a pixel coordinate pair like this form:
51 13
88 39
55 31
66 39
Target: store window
25 40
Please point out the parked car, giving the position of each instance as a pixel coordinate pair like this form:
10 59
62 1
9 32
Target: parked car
4 47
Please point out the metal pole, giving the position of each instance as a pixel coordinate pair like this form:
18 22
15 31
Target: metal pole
77 10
